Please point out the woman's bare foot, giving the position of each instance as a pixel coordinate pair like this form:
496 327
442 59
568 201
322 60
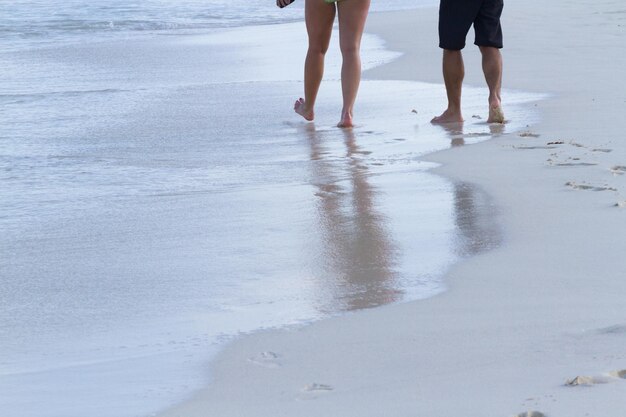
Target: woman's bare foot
346 120
448 116
301 108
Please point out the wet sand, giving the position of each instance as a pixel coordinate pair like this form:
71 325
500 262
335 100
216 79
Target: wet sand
162 219
535 327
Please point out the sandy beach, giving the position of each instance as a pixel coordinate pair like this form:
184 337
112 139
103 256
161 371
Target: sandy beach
517 323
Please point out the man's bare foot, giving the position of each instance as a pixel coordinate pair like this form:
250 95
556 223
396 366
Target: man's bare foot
346 120
301 108
448 116
496 115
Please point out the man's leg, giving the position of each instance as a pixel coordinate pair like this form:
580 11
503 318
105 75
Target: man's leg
455 19
492 67
453 74
489 39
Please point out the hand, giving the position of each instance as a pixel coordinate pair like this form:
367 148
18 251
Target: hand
283 3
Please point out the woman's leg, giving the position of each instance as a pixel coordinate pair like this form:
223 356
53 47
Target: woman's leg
319 18
352 16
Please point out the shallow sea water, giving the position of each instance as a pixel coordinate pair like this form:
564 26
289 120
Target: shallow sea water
26 23
160 198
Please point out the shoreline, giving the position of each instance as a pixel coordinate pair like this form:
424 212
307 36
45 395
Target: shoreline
347 187
515 323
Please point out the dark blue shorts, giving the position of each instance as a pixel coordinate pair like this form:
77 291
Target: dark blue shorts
457 16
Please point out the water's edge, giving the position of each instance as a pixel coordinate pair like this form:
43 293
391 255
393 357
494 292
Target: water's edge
488 206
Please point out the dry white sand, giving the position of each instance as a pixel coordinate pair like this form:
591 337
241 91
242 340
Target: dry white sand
519 322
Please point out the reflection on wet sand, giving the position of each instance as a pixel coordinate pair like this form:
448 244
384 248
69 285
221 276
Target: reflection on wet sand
461 133
474 216
357 266
359 262
455 132
474 213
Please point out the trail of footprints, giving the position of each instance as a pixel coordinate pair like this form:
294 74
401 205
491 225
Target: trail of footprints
272 360
579 155
311 391
581 160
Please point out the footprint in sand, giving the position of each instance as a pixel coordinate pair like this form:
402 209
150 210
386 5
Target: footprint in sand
535 147
618 170
603 150
588 187
616 329
530 414
618 374
315 387
576 164
570 162
528 135
266 359
580 145
313 391
476 135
